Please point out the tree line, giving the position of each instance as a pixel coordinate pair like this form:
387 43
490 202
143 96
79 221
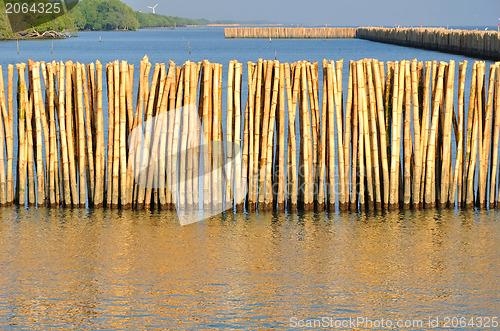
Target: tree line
94 15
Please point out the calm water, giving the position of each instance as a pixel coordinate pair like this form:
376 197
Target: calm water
99 269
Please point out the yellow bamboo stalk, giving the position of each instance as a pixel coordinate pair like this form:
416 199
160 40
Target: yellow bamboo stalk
81 134
407 152
229 135
347 137
431 153
268 202
40 196
239 187
89 140
468 197
257 128
488 130
322 146
21 169
355 199
100 156
416 128
374 133
383 135
445 180
457 178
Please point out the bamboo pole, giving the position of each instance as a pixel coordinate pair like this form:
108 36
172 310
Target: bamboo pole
239 187
431 154
81 134
21 165
29 134
347 137
268 201
374 133
322 146
292 149
10 142
355 198
256 143
488 130
480 194
100 156
281 140
407 152
52 178
469 166
383 135
447 135
497 128
394 179
416 128
4 119
265 129
338 115
40 180
89 140
457 178
229 135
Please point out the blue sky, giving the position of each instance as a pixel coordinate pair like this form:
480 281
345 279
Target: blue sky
335 12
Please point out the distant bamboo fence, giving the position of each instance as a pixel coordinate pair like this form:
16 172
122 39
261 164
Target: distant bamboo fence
300 140
474 43
290 33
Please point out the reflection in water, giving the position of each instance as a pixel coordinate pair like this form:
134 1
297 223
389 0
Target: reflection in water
122 269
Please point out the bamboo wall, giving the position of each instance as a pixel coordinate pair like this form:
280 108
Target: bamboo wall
399 135
474 43
290 33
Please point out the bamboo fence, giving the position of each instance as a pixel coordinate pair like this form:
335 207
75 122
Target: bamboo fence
405 137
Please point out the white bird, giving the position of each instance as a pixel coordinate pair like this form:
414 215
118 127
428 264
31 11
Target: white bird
154 8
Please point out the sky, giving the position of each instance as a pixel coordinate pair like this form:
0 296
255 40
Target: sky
335 12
